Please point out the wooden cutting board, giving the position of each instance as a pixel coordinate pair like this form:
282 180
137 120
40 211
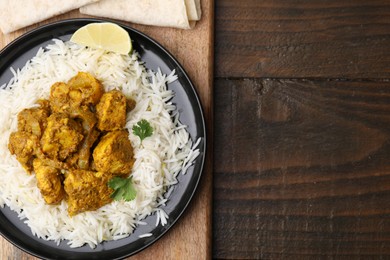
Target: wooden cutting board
191 236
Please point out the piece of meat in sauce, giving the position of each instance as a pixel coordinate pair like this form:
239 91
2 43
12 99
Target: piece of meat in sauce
49 180
114 153
87 190
59 98
23 145
81 90
33 120
61 137
25 142
111 111
85 89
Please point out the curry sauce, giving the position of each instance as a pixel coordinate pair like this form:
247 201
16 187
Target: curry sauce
75 142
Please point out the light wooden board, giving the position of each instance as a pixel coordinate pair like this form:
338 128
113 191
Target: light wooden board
191 236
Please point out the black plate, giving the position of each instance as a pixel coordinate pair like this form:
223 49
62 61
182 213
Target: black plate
155 56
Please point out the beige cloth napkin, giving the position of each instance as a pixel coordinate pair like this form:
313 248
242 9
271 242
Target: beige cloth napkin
16 14
169 13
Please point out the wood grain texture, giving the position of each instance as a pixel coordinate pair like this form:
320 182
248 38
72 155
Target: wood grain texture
298 39
302 169
190 238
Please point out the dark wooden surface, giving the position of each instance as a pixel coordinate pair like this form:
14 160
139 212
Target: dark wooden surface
302 129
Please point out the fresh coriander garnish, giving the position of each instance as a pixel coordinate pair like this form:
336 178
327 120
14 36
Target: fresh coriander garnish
142 129
123 188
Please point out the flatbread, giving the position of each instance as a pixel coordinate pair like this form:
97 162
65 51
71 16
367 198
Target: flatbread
198 9
193 9
16 14
167 13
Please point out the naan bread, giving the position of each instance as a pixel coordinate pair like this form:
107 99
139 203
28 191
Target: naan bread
16 14
168 13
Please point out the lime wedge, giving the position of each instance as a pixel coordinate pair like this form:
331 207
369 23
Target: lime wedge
106 36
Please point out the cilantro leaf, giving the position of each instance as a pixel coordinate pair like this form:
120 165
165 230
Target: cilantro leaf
142 129
123 188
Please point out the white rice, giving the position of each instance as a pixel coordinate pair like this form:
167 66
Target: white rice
159 158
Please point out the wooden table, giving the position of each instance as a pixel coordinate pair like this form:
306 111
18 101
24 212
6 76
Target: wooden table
302 133
302 129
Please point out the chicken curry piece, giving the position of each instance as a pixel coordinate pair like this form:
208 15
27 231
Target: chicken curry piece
23 146
49 181
31 124
108 107
75 142
61 137
114 153
87 190
34 120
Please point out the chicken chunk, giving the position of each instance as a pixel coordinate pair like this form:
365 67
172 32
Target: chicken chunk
85 89
87 190
23 145
61 137
111 111
33 120
59 98
75 97
114 153
49 181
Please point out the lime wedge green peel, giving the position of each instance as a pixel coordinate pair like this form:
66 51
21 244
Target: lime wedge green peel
106 36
